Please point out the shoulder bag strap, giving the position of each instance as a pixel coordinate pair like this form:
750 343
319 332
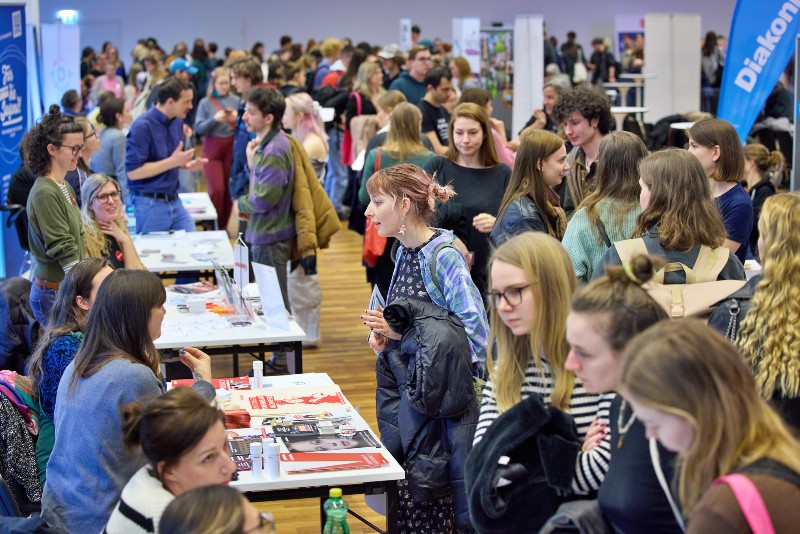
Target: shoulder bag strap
358 102
750 502
662 480
602 229
433 262
709 263
219 107
377 160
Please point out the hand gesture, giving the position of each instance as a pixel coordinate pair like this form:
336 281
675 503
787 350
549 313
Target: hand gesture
221 115
250 151
187 130
540 119
198 361
483 222
182 157
375 321
195 163
111 228
596 433
377 342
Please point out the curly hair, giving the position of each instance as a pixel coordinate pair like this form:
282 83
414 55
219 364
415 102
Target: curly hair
50 131
588 103
770 338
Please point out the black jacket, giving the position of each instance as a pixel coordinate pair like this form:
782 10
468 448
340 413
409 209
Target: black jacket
426 404
542 446
520 216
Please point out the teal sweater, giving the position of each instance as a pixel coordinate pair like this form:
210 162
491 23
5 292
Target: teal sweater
386 161
583 242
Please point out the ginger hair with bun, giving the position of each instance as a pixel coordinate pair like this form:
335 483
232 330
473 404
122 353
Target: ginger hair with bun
406 180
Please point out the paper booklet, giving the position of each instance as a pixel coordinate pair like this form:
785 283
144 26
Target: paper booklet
314 462
267 402
240 382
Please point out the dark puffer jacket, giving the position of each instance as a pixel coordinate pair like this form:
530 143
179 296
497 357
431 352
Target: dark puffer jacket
426 405
541 445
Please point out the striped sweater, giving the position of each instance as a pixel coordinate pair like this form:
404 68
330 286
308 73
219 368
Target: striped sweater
269 201
584 408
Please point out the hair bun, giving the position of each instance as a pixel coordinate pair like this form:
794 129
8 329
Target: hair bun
639 270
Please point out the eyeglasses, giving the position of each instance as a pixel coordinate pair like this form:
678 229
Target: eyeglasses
424 58
112 196
513 295
266 524
94 132
77 149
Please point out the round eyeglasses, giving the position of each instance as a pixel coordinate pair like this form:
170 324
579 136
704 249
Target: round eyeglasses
77 149
513 295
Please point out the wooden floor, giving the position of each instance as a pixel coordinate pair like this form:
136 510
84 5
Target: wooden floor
345 356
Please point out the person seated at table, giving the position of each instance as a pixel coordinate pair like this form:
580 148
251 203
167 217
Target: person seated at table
183 438
104 223
217 509
694 393
60 342
716 144
117 364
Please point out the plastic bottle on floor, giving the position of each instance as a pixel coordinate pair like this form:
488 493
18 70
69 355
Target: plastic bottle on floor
336 513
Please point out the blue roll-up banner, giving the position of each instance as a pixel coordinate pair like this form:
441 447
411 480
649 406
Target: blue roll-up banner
760 45
13 119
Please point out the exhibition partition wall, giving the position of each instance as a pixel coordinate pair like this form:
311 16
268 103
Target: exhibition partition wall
528 68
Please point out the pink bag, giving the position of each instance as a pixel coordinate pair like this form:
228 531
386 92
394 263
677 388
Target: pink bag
750 502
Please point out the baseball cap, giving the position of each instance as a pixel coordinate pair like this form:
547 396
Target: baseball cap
391 51
181 64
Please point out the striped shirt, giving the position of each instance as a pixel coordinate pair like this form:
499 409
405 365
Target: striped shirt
584 408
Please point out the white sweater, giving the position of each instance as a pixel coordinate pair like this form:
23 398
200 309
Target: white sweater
139 509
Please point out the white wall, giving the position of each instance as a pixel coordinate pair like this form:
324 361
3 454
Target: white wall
239 23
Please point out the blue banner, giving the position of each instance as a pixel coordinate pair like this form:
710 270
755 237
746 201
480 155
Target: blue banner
759 47
13 119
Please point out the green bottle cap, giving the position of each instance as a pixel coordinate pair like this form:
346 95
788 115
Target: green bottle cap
335 493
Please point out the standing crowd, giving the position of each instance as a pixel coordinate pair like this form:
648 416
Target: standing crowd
569 335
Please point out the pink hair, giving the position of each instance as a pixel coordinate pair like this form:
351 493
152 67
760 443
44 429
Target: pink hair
406 180
311 121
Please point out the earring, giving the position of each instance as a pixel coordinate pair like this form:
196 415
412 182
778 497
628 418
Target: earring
402 230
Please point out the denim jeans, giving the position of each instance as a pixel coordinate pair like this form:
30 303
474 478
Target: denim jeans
336 178
158 215
41 301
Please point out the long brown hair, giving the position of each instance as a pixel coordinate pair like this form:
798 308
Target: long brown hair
527 179
467 110
117 326
66 316
684 368
681 207
403 142
616 178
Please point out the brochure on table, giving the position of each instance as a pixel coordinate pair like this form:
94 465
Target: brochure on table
241 263
317 429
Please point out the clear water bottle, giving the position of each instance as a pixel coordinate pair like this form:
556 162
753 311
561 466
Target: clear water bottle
131 220
336 513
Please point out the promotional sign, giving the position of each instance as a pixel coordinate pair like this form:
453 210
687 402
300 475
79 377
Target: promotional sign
760 45
13 119
467 41
61 70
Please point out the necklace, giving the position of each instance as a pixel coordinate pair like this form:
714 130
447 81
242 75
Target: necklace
623 428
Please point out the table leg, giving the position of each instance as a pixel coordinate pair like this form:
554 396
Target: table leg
391 507
620 120
298 358
235 364
322 517
623 95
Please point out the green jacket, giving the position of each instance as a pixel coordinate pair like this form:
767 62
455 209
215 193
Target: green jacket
55 232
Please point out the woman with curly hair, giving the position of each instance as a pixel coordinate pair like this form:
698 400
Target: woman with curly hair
693 391
104 224
609 212
767 306
51 149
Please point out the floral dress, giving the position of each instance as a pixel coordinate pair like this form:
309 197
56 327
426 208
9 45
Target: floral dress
434 516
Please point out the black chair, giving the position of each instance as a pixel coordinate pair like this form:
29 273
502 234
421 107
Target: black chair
18 217
8 504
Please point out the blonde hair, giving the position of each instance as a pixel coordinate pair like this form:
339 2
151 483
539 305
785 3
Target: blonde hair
388 101
365 72
767 162
548 269
404 131
684 368
770 337
330 47
96 244
464 70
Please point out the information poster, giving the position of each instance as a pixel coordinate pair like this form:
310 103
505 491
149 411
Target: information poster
13 118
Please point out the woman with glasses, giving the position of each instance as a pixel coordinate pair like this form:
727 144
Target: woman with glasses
51 149
183 438
104 224
531 282
91 144
217 509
